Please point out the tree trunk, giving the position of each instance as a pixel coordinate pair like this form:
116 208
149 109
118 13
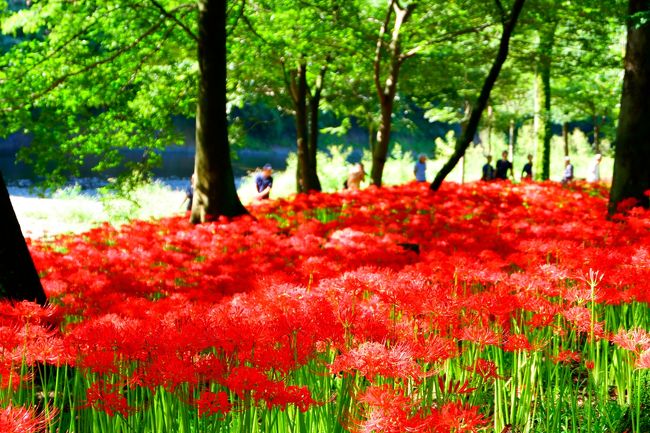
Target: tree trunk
565 137
306 116
380 151
543 110
631 174
215 193
490 122
596 134
386 91
18 277
504 46
314 130
299 83
512 139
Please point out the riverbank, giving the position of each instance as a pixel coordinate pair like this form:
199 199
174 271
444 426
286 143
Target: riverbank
75 211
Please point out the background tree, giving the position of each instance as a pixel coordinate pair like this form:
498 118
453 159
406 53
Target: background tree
91 79
631 173
19 279
215 192
509 21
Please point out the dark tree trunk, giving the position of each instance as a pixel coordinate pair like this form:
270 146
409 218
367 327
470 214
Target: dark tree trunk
215 193
596 134
543 112
18 277
299 81
386 91
468 134
306 108
380 151
631 174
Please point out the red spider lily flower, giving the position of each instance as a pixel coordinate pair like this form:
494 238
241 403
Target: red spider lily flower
389 411
566 357
458 418
635 340
480 335
211 403
455 388
484 368
373 359
516 342
643 362
580 318
101 396
17 419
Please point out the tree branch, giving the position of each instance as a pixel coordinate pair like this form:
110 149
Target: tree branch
446 37
380 41
472 125
65 77
239 16
173 17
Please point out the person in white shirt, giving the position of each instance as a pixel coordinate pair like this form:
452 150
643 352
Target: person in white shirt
594 169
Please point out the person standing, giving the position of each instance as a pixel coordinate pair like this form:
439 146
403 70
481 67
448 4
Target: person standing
420 169
264 182
488 170
189 193
594 169
527 171
356 175
568 171
504 166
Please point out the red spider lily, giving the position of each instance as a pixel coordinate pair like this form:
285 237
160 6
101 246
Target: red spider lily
635 340
643 361
373 359
458 418
484 368
211 403
24 420
103 397
517 342
566 357
242 303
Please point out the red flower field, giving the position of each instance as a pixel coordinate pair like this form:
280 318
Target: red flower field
484 307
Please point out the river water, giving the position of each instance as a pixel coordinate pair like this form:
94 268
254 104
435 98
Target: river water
177 163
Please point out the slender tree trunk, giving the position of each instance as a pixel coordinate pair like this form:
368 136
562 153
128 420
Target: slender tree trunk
215 193
596 134
314 130
631 174
509 25
543 112
565 136
299 83
18 277
306 116
386 91
512 139
490 122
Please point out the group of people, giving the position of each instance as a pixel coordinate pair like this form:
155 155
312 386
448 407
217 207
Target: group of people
356 174
504 169
263 183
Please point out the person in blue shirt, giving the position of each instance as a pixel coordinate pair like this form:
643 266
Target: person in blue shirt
488 170
189 193
264 182
420 169
568 171
503 166
527 172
